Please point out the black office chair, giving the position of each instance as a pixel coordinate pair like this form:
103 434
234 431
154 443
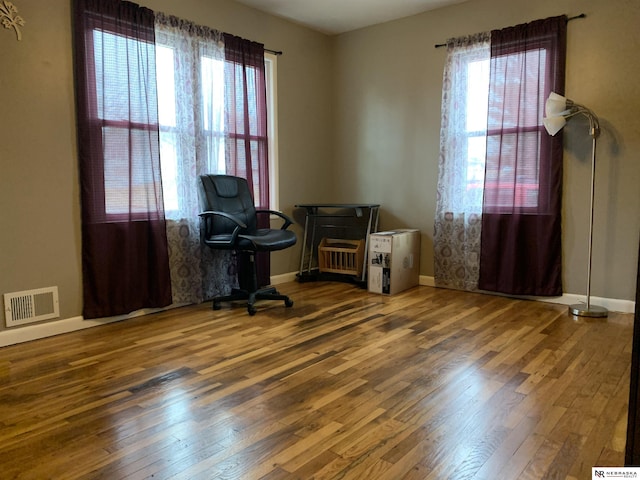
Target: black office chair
229 220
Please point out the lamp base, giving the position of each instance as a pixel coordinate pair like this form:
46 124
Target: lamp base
581 310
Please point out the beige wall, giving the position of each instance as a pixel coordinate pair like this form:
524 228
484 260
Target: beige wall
39 207
388 84
359 122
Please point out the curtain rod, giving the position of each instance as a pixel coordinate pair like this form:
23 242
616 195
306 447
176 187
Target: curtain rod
275 52
582 15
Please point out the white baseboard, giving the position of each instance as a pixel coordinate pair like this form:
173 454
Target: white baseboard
284 278
427 281
14 336
611 304
43 330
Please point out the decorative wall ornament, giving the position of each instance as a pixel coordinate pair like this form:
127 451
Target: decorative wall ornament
10 18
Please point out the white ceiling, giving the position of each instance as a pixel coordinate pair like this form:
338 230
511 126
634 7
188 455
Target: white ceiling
339 16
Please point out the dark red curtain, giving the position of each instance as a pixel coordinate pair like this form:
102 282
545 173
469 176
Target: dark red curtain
246 128
521 218
124 247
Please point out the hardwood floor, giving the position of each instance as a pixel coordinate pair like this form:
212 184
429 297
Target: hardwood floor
426 384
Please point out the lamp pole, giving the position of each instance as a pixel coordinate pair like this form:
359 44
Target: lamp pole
580 309
559 109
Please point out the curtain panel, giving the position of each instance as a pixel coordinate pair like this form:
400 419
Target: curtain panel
459 191
246 150
190 59
521 217
124 244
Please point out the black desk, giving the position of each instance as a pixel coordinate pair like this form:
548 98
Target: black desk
353 221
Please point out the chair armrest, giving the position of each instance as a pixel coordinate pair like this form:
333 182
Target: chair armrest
287 220
208 214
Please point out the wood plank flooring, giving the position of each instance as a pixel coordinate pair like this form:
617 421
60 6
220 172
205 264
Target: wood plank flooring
426 384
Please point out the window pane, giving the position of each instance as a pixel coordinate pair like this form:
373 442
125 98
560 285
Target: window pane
477 95
128 106
475 170
169 165
123 92
166 86
511 109
128 179
514 183
165 62
252 102
212 80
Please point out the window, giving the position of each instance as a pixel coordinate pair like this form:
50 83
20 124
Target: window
176 125
119 176
124 125
509 184
211 144
515 132
160 102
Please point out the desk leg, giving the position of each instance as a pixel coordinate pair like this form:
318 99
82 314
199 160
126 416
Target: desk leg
304 244
372 224
313 242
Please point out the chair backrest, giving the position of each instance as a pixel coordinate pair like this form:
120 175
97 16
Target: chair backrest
228 194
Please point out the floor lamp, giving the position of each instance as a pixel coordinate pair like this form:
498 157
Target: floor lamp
558 110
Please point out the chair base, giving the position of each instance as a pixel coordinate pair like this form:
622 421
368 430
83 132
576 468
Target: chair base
267 293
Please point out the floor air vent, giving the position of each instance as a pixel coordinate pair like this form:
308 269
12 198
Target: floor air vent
31 306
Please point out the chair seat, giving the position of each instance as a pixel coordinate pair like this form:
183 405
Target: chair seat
263 240
268 240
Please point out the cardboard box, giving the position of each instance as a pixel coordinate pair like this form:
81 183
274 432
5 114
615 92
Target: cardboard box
394 261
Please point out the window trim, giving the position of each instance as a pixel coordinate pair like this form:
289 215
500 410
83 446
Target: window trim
271 76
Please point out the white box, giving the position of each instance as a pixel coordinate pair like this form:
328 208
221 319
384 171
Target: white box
394 261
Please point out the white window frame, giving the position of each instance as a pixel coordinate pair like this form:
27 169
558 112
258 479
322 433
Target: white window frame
271 74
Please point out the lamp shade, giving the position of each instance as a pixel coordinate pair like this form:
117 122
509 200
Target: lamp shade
554 124
555 105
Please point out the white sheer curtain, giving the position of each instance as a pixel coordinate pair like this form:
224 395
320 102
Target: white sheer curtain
190 63
461 162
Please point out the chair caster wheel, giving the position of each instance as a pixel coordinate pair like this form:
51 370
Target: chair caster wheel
288 303
216 306
252 310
